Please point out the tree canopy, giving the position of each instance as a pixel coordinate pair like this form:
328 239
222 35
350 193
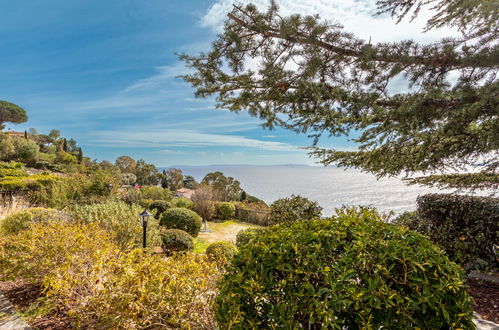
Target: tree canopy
11 113
313 77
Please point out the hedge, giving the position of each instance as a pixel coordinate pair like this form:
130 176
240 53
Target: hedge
466 227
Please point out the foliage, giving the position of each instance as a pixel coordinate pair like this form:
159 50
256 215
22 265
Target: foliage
183 202
6 147
160 206
147 174
126 164
11 113
466 227
176 240
128 178
351 271
248 213
47 248
21 220
180 218
204 199
228 187
156 193
226 211
28 182
175 178
119 218
25 151
63 157
313 77
85 275
294 208
246 235
221 252
190 182
139 291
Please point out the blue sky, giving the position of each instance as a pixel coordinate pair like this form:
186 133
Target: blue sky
103 73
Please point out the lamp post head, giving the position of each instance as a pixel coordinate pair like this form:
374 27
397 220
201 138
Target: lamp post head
145 217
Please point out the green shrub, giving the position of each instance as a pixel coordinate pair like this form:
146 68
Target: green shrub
293 209
180 218
226 211
176 240
221 252
119 218
246 235
159 206
156 193
352 271
466 227
409 219
25 151
183 202
21 220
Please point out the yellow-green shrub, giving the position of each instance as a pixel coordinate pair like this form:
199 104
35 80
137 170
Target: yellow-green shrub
119 218
182 202
156 193
139 291
45 249
20 220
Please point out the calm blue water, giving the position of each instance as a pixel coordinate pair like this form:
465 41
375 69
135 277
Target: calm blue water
331 187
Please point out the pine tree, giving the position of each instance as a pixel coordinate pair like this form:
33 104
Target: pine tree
313 77
80 155
65 145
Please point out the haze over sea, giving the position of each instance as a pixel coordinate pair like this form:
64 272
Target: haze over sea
331 187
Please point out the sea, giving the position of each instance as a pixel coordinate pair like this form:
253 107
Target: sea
331 187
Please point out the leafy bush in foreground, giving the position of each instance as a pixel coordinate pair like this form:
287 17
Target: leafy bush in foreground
351 271
180 218
246 235
466 227
176 240
221 252
294 208
84 274
20 220
226 211
46 249
119 218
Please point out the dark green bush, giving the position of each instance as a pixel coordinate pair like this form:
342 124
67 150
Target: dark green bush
176 240
466 227
246 235
226 211
294 208
180 218
221 252
159 206
352 271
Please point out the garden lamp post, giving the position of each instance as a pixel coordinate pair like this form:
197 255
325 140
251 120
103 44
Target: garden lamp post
144 216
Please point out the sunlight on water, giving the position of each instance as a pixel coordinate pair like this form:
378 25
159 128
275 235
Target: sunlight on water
331 187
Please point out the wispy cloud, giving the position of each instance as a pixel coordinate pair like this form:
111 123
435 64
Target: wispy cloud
163 74
182 138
